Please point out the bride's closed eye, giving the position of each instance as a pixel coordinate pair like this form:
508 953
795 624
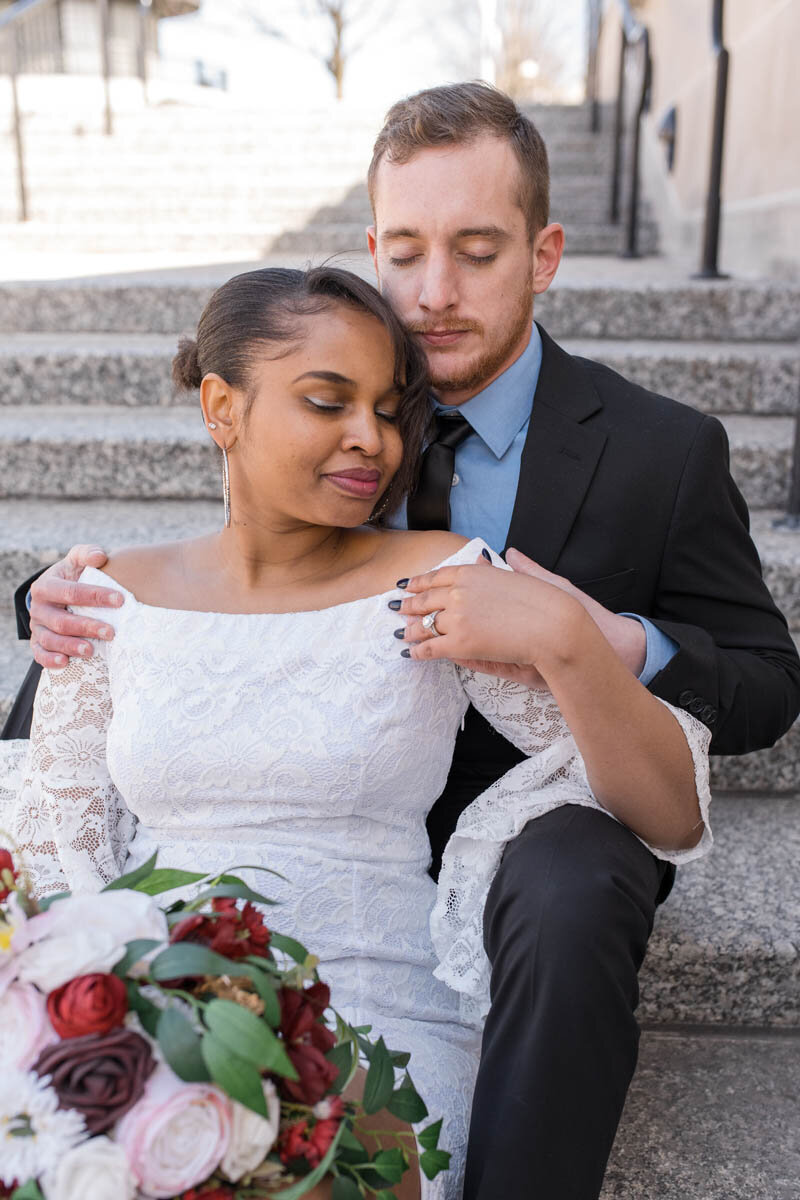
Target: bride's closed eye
322 406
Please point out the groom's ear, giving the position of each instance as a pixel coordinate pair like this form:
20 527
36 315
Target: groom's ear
372 243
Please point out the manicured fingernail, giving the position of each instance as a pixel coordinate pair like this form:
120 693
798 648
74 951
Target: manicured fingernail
106 632
60 660
394 605
400 633
84 649
116 598
486 555
405 653
402 583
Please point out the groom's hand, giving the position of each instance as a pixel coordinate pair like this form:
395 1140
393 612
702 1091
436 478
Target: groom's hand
58 635
625 635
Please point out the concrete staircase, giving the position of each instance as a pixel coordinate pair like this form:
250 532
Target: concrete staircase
95 446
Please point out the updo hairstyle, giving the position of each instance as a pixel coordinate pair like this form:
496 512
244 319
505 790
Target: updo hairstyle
262 309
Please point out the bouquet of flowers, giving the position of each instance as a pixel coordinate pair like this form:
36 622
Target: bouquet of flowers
187 1051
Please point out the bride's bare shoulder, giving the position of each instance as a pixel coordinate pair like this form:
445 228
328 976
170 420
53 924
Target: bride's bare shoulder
415 551
146 571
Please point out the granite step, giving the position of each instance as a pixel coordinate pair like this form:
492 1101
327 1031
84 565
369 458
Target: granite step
134 369
742 312
100 451
711 1115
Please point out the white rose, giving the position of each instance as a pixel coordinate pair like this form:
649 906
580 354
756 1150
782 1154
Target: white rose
97 1168
25 1027
81 935
252 1137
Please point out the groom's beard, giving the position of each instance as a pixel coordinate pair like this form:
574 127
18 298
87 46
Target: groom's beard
473 375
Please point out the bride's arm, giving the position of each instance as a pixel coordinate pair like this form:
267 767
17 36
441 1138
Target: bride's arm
642 758
70 823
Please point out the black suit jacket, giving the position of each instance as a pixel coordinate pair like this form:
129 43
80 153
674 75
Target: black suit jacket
628 494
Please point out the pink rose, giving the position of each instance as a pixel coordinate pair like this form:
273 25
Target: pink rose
176 1135
24 1026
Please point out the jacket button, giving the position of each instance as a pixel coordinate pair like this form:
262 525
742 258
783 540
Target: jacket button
709 715
685 699
697 707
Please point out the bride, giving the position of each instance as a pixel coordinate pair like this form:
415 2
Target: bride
271 690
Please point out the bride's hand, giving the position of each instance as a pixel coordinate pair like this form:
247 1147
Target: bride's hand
496 622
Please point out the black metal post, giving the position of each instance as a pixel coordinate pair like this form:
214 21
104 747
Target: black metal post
618 123
632 233
593 23
60 56
144 29
105 54
22 191
708 265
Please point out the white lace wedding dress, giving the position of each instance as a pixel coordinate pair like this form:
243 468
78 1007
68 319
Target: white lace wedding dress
305 742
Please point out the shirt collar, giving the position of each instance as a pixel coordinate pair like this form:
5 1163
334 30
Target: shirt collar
499 412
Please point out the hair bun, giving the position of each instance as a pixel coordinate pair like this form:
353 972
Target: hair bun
186 373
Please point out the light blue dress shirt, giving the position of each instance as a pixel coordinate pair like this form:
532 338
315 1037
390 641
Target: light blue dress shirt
487 469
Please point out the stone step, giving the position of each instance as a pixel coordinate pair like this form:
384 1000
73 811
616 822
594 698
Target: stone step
711 1115
79 451
725 948
156 303
134 369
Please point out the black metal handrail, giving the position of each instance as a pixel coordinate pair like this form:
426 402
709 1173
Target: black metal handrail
708 262
594 13
634 37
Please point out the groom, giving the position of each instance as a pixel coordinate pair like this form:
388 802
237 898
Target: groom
628 498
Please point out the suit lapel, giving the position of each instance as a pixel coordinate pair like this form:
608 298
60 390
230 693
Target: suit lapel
559 457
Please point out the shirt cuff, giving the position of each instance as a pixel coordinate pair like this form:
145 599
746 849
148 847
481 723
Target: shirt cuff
661 649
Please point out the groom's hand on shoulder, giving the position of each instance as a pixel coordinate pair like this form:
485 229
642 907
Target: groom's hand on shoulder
56 634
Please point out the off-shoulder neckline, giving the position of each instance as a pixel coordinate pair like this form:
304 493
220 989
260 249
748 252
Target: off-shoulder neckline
107 580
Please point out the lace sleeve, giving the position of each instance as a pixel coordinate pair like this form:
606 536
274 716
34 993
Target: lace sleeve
70 824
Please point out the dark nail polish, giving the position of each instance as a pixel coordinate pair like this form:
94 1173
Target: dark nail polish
400 633
405 653
402 583
394 605
486 555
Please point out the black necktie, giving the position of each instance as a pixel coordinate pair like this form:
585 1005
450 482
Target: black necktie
429 503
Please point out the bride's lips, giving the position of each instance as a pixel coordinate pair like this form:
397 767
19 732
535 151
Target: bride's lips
358 482
443 337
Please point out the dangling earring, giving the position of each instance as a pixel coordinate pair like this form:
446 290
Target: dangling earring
226 487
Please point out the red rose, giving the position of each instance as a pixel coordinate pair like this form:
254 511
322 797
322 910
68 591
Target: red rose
307 1042
295 1145
230 931
100 1077
322 1135
88 1004
6 864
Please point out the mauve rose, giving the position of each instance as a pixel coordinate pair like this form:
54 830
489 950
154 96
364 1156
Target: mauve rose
101 1077
307 1042
24 1027
89 1004
176 1135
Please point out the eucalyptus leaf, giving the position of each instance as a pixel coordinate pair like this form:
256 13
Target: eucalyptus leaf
180 1045
28 1191
134 951
342 1058
133 877
434 1161
43 906
237 891
238 1078
189 958
379 1083
164 879
147 1012
288 945
247 1036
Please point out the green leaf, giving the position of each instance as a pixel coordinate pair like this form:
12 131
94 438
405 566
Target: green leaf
147 1012
133 877
247 1036
308 1181
429 1137
164 879
180 1045
43 905
400 1058
349 1141
133 952
346 1189
238 1078
28 1191
266 990
287 945
407 1104
226 878
379 1083
342 1058
236 890
384 1195
188 958
434 1161
390 1164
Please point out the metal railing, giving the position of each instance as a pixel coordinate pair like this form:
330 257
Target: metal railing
708 262
32 42
634 43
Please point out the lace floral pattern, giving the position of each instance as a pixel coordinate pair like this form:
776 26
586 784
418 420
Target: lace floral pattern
302 741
